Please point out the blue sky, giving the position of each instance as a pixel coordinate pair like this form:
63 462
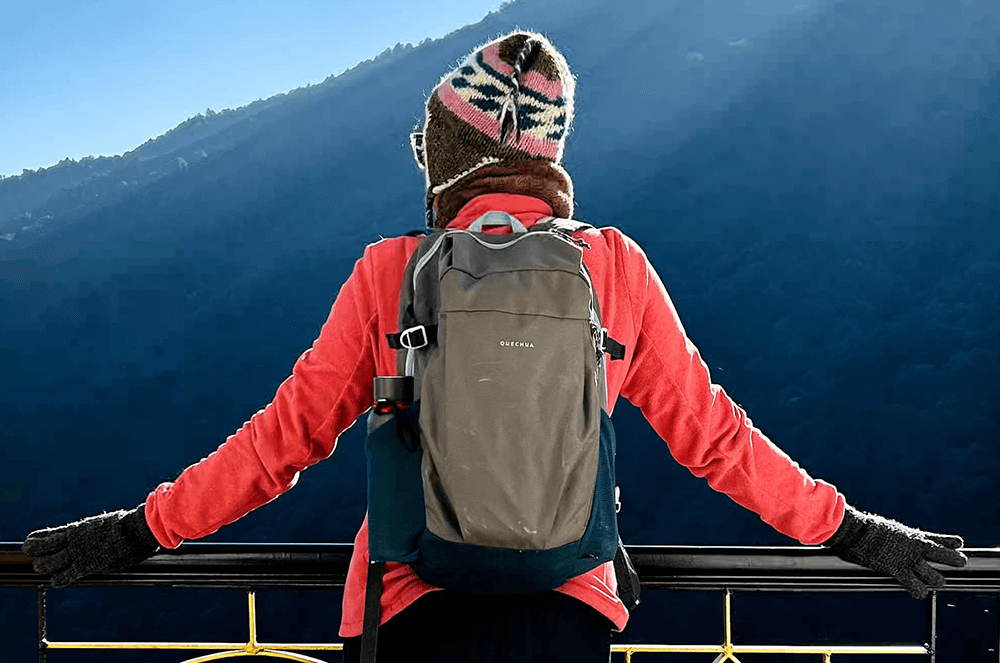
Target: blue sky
102 77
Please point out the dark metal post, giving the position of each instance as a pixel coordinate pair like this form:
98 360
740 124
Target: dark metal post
998 626
42 629
934 638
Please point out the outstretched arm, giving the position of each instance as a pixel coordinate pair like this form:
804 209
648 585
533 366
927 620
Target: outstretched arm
705 430
714 438
330 386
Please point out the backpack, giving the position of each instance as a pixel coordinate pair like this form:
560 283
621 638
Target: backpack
491 454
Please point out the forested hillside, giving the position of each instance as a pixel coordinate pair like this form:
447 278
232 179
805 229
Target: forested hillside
818 188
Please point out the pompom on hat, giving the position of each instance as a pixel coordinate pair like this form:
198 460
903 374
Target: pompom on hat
498 123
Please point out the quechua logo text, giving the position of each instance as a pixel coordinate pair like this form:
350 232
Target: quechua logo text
516 344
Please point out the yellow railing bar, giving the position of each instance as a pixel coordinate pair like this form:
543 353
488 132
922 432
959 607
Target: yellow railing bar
825 650
191 645
832 649
771 649
144 645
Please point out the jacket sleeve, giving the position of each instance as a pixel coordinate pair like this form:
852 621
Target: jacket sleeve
704 429
329 388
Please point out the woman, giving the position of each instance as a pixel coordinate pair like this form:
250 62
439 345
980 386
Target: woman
493 139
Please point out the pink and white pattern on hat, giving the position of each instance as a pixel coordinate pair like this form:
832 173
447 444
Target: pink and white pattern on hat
477 90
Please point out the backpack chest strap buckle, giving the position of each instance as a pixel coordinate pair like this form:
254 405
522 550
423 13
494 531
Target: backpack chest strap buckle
413 338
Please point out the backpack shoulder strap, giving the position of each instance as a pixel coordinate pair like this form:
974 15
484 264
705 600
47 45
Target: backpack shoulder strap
373 611
567 227
412 314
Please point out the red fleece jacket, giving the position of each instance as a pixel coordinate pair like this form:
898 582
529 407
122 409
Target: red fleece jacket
331 386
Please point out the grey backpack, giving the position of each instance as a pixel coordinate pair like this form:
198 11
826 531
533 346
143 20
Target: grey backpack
491 454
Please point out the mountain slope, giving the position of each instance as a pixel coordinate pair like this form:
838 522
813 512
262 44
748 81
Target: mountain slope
807 193
817 188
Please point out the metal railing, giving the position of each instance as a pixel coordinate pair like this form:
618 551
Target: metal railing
324 566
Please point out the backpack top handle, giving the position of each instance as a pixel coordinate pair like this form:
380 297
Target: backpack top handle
497 218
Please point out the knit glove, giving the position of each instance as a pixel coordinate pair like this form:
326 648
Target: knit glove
896 550
96 544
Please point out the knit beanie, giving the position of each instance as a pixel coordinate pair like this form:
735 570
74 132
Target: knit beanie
498 123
